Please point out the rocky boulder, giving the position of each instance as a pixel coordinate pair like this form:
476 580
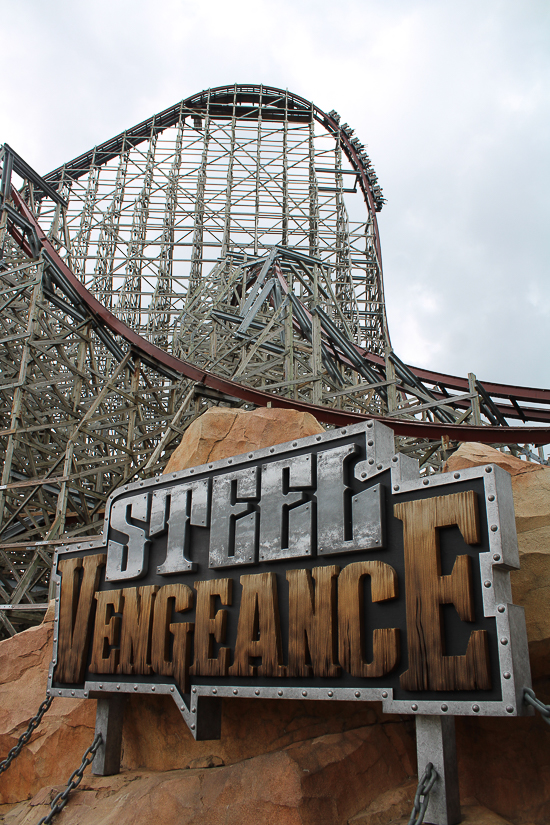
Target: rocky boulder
222 432
530 584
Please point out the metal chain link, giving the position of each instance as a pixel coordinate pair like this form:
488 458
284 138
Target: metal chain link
424 787
24 738
531 699
58 802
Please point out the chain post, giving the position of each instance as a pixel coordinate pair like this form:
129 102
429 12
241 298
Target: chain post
436 745
108 724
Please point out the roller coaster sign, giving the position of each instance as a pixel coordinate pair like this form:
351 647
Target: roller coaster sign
325 568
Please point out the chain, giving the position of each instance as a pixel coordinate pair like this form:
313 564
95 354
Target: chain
531 699
424 787
24 738
58 802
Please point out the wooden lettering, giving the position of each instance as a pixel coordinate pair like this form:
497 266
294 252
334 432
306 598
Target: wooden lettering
211 626
75 613
258 631
427 590
175 662
385 641
135 636
312 622
105 652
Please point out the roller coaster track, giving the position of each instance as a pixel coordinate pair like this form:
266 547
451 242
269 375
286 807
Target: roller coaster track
100 374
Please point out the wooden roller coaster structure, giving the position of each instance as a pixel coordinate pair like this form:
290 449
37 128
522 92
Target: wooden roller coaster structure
207 256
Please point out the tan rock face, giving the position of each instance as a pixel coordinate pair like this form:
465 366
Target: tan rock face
319 782
530 584
222 433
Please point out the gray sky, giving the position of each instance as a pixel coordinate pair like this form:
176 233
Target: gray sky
452 100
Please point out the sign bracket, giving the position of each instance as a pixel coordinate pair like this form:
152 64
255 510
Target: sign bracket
436 743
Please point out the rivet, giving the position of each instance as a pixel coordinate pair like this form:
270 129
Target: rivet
371 460
294 443
193 710
250 455
210 466
475 708
214 690
507 675
59 692
395 458
191 472
509 709
331 693
379 466
153 688
171 690
457 475
494 528
118 687
279 693
257 692
426 481
272 449
504 641
194 690
384 694
72 692
496 557
357 694
78 546
135 687
396 486
192 726
501 608
491 497
230 461
414 707
370 443
488 469
363 475
444 708
235 691
101 686
486 583
318 438
344 432
369 424
304 693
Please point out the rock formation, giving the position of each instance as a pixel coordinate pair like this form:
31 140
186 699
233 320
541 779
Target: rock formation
288 762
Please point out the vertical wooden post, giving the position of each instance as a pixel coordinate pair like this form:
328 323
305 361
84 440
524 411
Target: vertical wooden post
108 722
476 413
436 743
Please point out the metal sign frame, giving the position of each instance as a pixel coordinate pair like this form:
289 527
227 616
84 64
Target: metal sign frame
374 464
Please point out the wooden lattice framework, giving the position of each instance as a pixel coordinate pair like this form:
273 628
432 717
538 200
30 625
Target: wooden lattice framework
216 239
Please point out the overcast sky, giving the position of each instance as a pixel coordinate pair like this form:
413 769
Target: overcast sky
452 100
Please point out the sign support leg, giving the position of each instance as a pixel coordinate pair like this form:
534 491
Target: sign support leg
108 722
436 743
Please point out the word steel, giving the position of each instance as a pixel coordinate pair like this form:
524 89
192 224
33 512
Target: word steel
325 568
